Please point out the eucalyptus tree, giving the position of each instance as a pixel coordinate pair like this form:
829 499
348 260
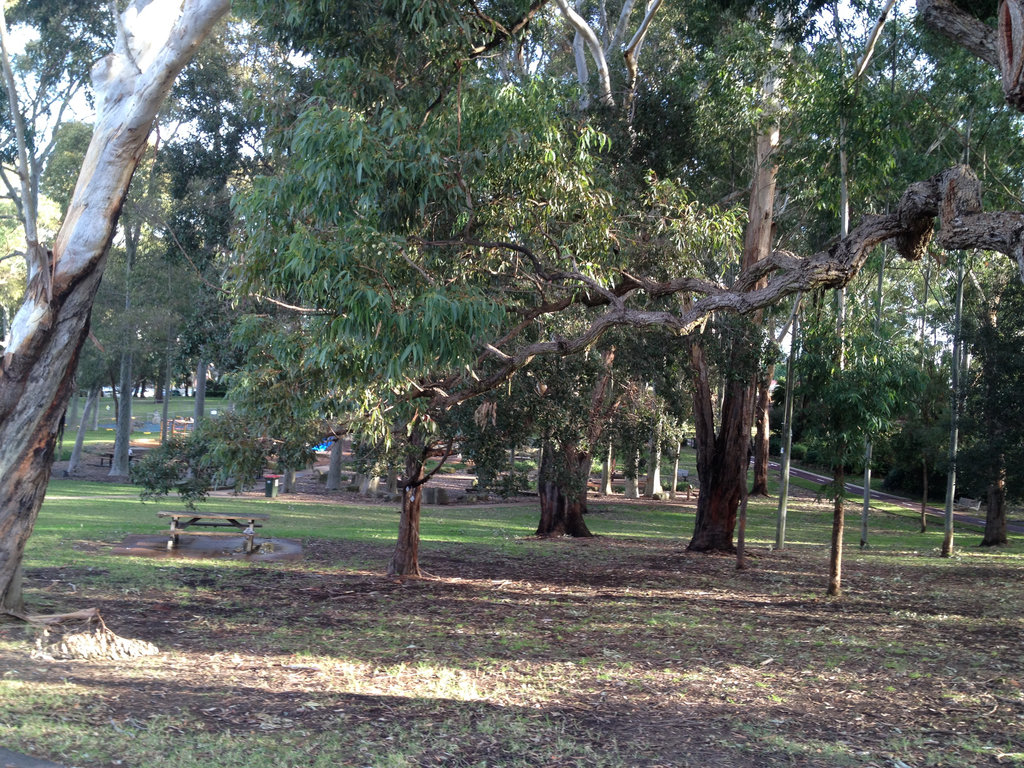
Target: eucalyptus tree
577 399
423 233
40 84
855 385
154 40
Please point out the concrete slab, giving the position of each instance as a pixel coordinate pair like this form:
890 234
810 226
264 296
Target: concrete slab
232 547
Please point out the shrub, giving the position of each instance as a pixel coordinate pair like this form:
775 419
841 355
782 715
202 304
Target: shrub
177 465
217 452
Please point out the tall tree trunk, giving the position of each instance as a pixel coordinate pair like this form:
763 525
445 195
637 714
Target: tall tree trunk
200 404
73 411
722 463
334 468
675 472
405 560
954 419
787 437
835 563
653 485
607 470
37 376
995 507
924 495
122 441
741 538
563 501
866 508
762 431
723 459
166 405
995 513
91 403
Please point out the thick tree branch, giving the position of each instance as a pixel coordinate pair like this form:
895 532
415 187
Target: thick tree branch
953 197
632 52
960 27
501 32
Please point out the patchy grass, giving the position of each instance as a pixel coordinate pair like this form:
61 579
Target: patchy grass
623 650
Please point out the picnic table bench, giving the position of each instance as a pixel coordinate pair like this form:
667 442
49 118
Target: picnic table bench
107 457
229 524
965 503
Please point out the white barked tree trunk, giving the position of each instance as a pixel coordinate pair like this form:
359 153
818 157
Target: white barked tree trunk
156 38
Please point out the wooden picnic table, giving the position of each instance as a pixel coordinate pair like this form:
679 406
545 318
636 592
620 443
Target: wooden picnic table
107 457
190 520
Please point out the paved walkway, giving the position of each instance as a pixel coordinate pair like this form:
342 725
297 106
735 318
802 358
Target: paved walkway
10 759
959 516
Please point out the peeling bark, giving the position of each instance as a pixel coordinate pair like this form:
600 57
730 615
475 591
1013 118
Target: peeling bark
50 327
406 558
959 26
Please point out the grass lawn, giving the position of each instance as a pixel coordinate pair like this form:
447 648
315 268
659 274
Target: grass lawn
146 413
621 650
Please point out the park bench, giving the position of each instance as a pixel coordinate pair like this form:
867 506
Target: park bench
228 523
965 503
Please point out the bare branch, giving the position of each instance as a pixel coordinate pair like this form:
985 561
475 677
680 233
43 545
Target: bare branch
620 27
876 33
594 45
503 33
292 307
632 52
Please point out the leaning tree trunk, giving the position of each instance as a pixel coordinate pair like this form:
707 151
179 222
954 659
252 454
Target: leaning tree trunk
563 504
37 376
